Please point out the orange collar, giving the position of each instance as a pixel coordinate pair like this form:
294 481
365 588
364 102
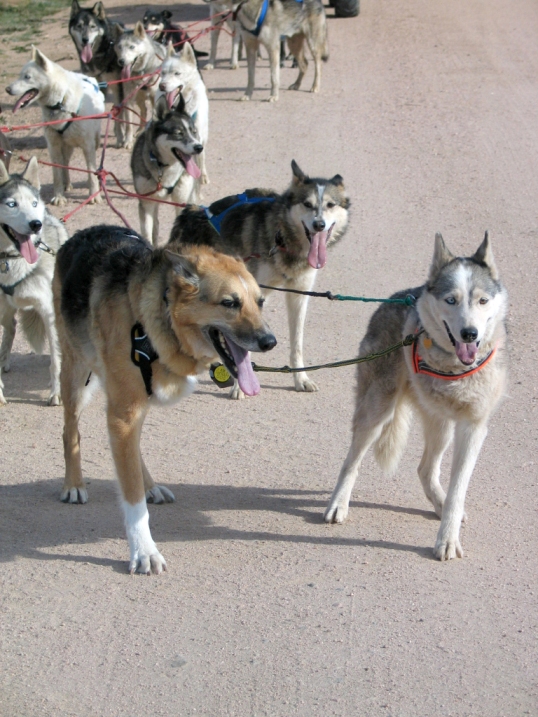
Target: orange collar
420 366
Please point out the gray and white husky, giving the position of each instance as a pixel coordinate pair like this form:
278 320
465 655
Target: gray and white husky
163 163
282 237
179 73
267 21
138 55
454 376
29 240
63 95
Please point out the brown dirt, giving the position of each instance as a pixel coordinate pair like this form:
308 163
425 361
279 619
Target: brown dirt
429 111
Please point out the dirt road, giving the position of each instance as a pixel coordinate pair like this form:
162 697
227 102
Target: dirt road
429 112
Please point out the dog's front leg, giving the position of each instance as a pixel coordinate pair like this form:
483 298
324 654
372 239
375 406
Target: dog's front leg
149 226
90 151
467 444
9 325
125 416
54 144
55 356
215 32
437 436
274 64
251 43
297 306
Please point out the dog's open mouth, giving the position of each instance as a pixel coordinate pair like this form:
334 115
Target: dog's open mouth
86 54
317 255
25 99
172 96
237 361
187 160
23 244
466 352
126 72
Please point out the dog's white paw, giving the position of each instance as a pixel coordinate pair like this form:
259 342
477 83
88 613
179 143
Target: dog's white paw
305 384
98 199
59 201
5 364
236 393
147 563
245 98
314 89
205 178
234 66
54 400
128 144
335 513
209 66
272 98
3 401
448 549
74 495
159 494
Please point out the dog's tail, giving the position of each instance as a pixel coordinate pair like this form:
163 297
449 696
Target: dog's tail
390 445
34 329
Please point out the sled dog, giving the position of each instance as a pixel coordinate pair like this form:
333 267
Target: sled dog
220 13
179 73
138 55
145 322
283 239
161 29
163 164
93 35
267 21
63 95
29 239
453 375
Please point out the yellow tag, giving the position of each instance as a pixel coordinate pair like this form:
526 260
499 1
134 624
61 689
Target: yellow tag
427 343
221 373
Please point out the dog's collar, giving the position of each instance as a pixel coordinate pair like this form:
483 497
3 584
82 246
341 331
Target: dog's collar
143 354
153 158
60 107
10 289
216 219
261 19
420 366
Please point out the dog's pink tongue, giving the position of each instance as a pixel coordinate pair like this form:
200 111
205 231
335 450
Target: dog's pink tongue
26 97
317 256
190 166
466 352
248 381
126 72
27 248
86 54
170 98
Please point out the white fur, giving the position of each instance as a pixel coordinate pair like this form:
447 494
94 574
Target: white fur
144 554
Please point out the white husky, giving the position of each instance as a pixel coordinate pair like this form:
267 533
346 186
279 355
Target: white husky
453 375
63 95
179 73
29 239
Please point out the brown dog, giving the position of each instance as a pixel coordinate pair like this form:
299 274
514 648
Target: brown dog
145 322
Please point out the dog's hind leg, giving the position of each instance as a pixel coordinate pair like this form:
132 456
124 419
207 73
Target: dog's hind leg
297 306
54 144
47 315
67 152
9 325
251 44
73 376
372 413
155 493
468 441
438 434
125 416
296 45
90 152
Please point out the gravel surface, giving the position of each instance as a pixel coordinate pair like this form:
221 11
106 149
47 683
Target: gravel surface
429 112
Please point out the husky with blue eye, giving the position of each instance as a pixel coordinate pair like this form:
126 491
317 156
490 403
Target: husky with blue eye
453 375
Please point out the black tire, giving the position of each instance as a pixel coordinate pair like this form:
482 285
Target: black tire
346 8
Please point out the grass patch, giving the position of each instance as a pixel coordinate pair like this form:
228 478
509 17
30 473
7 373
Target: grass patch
22 19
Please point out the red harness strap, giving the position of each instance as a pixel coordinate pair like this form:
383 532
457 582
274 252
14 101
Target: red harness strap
420 366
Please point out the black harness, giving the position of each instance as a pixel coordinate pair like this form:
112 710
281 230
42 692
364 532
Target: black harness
143 354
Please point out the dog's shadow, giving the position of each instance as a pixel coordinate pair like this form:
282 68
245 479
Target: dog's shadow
48 523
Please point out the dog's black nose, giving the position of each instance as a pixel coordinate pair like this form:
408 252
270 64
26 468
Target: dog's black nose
267 342
198 148
319 225
35 226
469 334
85 40
162 87
121 62
9 90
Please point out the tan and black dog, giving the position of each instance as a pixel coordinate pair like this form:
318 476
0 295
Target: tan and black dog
144 322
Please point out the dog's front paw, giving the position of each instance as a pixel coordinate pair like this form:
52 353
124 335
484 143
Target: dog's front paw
74 495
3 401
335 512
98 199
295 86
245 98
303 383
5 364
128 144
236 393
209 66
234 66
59 200
447 549
272 98
159 494
54 400
205 178
147 563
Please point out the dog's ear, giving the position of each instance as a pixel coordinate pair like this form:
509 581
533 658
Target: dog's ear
161 108
441 257
166 14
337 180
4 174
179 104
39 58
139 30
75 8
170 51
187 54
484 255
99 11
299 176
31 173
117 30
183 268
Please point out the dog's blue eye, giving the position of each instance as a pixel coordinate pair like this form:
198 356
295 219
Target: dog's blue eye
11 204
34 204
451 300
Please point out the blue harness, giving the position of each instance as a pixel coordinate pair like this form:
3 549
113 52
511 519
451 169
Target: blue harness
216 219
261 18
